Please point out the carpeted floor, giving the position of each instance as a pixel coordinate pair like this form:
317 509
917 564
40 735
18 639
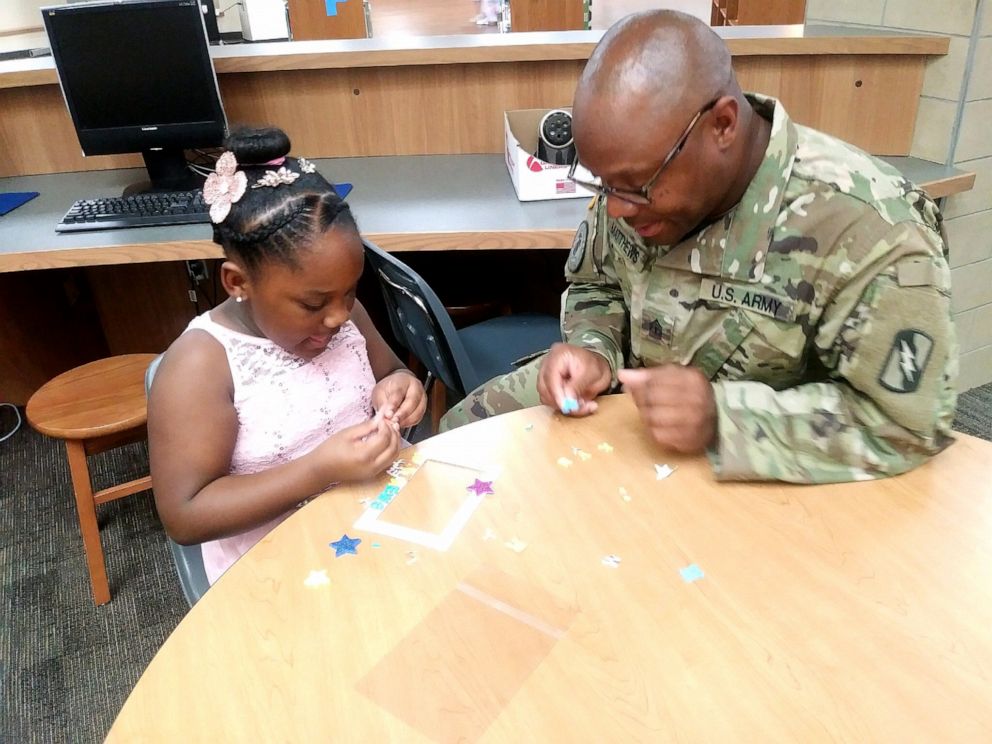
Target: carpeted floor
67 666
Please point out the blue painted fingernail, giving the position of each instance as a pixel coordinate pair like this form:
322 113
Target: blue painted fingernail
569 405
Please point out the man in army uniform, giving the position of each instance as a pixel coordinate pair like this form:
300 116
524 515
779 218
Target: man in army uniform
768 294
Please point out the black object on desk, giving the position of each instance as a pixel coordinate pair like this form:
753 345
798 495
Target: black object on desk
25 53
138 210
554 138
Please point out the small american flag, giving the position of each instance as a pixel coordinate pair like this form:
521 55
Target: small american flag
564 187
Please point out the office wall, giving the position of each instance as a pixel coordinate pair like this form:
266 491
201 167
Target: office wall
952 126
19 15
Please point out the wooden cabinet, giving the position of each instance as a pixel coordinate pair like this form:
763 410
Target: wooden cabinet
757 12
329 19
547 15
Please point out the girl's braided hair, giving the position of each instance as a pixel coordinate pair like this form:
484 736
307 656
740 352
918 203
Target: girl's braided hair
275 222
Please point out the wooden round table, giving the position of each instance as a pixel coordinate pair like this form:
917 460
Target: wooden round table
594 602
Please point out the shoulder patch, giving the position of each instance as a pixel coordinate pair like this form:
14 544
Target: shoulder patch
578 251
906 361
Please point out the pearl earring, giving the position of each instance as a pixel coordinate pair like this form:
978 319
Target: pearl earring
239 298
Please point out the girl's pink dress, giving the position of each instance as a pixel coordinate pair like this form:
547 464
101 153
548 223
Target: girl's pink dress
286 406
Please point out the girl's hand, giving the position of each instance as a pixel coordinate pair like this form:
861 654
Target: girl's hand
400 398
360 452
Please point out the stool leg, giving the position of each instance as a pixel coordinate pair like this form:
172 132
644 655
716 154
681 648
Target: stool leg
82 487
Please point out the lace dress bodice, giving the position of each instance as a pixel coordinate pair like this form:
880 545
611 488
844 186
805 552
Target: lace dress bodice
286 406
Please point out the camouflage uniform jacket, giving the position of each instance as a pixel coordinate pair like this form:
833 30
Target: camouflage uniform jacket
819 307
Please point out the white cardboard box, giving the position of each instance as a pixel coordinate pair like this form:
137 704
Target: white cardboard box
535 179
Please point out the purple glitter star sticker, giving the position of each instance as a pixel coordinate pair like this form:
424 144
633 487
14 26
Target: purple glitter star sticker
481 487
345 545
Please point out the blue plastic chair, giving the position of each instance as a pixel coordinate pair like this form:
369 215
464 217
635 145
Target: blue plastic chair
188 559
461 359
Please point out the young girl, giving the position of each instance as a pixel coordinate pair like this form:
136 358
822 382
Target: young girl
286 387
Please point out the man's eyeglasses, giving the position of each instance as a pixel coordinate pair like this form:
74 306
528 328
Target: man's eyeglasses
642 196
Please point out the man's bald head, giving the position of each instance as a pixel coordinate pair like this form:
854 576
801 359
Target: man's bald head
668 58
659 115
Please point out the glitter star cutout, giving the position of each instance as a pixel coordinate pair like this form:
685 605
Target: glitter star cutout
691 573
317 578
481 487
569 405
663 471
345 545
516 545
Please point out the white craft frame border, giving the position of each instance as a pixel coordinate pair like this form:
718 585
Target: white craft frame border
370 520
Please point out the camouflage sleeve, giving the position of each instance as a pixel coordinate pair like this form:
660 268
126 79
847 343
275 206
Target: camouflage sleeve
593 312
889 362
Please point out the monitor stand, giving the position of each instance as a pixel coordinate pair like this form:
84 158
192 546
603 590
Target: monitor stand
167 171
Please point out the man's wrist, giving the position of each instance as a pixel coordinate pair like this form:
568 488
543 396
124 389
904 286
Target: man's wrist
608 372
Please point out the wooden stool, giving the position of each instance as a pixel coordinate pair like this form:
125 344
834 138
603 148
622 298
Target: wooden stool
94 408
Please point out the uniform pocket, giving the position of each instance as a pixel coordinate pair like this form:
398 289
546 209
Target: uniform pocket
714 351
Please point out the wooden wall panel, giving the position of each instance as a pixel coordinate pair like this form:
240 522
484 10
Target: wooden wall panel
308 20
869 100
143 307
547 15
433 109
48 324
37 135
870 105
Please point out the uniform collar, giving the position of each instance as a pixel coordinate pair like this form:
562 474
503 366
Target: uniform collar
736 246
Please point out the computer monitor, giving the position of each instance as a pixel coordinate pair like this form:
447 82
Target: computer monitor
137 77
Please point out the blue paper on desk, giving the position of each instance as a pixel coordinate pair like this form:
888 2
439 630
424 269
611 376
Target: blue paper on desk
343 189
11 200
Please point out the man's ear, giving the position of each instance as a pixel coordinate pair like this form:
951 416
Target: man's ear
725 122
235 280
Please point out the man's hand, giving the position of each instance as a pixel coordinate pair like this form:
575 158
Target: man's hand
676 404
573 372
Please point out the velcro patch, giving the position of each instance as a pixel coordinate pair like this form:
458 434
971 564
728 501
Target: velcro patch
578 251
917 272
907 359
660 329
748 296
619 240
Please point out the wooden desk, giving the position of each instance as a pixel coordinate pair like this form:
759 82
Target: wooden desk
858 612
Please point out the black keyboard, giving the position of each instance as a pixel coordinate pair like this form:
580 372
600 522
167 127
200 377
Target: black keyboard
139 210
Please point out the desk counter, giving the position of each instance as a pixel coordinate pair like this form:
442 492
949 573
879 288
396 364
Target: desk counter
743 41
432 203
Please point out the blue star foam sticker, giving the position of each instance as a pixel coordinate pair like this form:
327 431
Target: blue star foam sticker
345 545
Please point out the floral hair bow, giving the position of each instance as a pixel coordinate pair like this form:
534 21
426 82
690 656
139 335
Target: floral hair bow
273 178
224 187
